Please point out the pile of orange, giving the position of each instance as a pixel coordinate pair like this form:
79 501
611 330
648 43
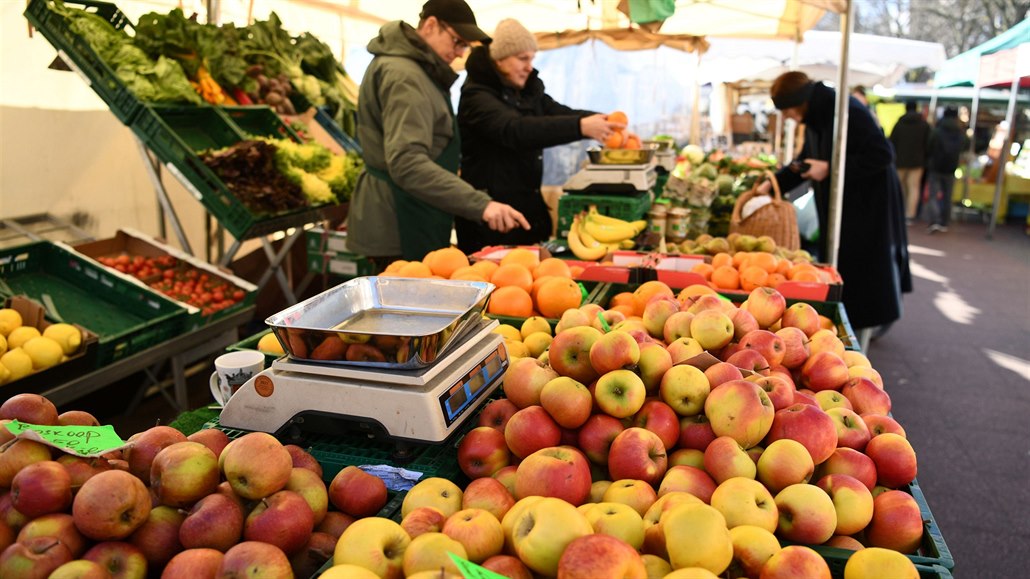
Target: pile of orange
526 285
746 270
624 139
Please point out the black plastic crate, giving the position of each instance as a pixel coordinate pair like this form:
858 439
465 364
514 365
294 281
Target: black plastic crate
80 56
629 208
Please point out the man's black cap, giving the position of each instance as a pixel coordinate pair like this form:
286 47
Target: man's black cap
458 15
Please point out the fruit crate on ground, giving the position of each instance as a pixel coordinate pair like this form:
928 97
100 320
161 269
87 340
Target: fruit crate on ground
832 310
80 56
630 208
177 134
128 317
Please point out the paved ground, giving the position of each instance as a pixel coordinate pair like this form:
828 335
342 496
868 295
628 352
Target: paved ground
957 369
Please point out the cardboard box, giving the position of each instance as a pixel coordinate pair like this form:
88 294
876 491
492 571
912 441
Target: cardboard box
80 362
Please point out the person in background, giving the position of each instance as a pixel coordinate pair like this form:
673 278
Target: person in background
947 142
506 120
873 253
858 91
409 193
910 137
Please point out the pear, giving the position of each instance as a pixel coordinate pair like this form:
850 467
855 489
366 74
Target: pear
717 245
766 244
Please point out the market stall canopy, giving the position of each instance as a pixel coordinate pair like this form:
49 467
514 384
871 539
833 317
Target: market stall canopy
962 69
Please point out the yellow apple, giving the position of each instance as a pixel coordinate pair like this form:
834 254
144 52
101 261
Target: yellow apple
513 514
745 501
752 547
617 520
543 529
597 490
692 573
656 566
634 493
877 562
433 492
696 536
375 543
478 531
429 552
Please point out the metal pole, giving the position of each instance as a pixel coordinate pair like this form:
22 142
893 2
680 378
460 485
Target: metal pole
971 133
840 138
1003 157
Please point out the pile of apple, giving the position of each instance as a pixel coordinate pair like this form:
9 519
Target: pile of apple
168 505
701 434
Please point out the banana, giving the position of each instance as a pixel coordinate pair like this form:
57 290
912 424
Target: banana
594 214
579 249
608 233
627 244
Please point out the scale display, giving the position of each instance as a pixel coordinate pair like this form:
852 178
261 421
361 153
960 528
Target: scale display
473 384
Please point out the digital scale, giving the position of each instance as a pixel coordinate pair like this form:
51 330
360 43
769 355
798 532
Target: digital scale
613 179
423 405
665 159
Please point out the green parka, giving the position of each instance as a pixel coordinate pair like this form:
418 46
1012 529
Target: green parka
404 123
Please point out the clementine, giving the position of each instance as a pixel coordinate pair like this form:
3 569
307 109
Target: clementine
646 292
726 277
513 274
557 295
527 257
552 266
444 262
511 301
618 117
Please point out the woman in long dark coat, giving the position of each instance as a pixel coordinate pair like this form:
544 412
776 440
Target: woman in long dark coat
506 120
873 254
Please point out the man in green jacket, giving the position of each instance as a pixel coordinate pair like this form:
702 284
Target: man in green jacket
405 201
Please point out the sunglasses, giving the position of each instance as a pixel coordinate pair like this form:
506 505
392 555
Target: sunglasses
459 43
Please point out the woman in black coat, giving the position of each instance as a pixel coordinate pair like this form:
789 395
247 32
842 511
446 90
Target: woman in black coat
873 254
506 120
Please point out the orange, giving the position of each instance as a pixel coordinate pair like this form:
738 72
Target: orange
620 299
799 267
486 267
704 270
552 266
527 257
468 273
631 141
625 309
647 291
721 259
618 117
511 301
775 279
446 261
766 261
414 269
614 140
805 275
783 267
726 277
752 277
537 283
513 274
557 295
576 270
739 258
395 265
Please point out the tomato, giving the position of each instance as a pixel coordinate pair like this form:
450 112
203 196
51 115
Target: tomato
122 260
120 267
138 260
217 295
169 274
238 295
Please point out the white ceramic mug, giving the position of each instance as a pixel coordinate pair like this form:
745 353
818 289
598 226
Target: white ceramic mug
232 370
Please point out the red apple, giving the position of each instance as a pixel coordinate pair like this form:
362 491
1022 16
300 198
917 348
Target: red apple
696 432
29 408
58 525
795 346
655 361
897 523
805 397
661 419
18 455
824 371
256 465
766 343
741 410
77 418
779 390
749 361
423 520
508 566
613 351
801 316
482 452
214 439
567 401
506 476
334 523
309 560
497 412
879 424
530 430
283 519
215 522
10 515
34 558
41 488
689 479
183 473
808 425
488 494
721 372
785 462
145 445
866 397
796 561
569 354
254 559
639 454
559 472
193 564
852 431
724 459
312 489
600 556
158 537
596 437
894 458
121 560
111 505
743 322
524 380
767 305
852 463
80 469
357 492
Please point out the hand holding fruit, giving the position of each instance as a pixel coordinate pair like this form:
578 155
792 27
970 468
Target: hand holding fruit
599 127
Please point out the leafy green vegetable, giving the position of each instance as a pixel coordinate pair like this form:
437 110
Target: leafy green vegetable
194 45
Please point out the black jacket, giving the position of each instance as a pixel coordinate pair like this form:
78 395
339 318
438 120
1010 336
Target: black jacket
503 134
947 141
910 137
873 254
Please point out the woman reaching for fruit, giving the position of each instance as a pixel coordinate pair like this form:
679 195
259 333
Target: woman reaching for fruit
506 120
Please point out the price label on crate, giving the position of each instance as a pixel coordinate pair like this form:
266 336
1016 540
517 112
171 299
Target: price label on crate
79 440
71 64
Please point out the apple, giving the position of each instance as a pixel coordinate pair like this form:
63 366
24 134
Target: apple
254 559
712 329
431 552
801 316
543 529
41 488
256 465
560 472
721 372
844 542
214 439
19 454
496 413
80 468
807 514
637 453
34 558
796 561
489 495
894 458
620 393
826 340
506 476
655 361
879 424
752 547
877 562
334 523
310 487
600 556
597 489
725 459
696 432
636 494
613 351
183 473
866 397
659 418
743 323
745 501
852 501
795 346
828 399
506 565
766 343
866 372
302 459
852 463
567 401
29 408
779 390
616 520
531 429
654 537
121 560
158 537
596 437
687 457
684 349
80 569
193 564
808 425
824 371
569 354
60 526
318 550
805 397
784 462
690 479
283 519
215 522
477 530
741 410
767 305
685 388
657 312
358 493
852 431
677 326
433 492
145 445
77 418
896 524
749 361
524 380
423 520
696 536
481 453
9 515
111 505
705 302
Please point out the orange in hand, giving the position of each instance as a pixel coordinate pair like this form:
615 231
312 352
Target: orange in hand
618 117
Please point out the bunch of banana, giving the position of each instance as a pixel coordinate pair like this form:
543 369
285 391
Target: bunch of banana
610 229
587 247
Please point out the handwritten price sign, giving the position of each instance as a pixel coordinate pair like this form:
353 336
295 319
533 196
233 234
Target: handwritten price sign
80 440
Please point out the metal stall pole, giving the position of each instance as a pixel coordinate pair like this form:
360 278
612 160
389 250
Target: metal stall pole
840 138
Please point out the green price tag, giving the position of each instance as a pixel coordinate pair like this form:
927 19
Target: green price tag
470 570
80 440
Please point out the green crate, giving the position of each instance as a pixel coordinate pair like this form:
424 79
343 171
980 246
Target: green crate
593 292
260 121
79 55
128 317
177 134
630 208
251 343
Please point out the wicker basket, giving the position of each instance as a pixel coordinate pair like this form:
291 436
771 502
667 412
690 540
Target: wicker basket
777 219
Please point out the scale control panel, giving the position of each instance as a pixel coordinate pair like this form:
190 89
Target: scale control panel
473 384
